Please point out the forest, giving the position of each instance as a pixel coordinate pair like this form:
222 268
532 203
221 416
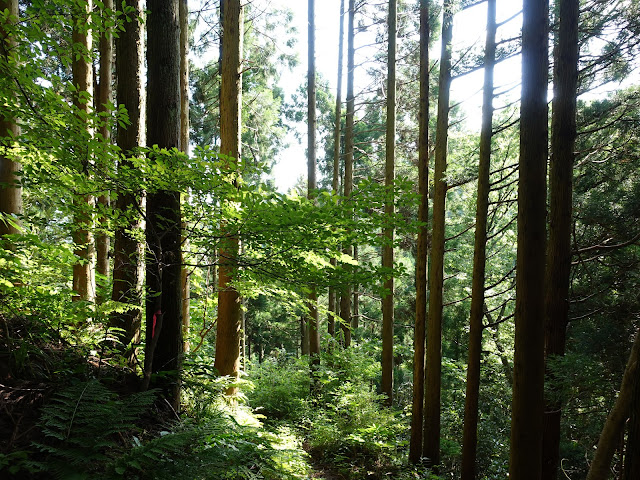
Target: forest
433 299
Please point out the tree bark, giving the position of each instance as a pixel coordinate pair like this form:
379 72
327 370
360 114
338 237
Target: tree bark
304 336
104 97
312 318
563 136
163 233
335 184
470 430
389 209
616 419
632 457
127 263
82 72
345 300
184 147
528 372
355 319
431 447
417 409
10 187
228 331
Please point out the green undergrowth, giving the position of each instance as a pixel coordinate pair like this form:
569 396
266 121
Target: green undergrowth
345 428
89 432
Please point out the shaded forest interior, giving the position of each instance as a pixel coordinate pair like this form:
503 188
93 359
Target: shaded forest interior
448 292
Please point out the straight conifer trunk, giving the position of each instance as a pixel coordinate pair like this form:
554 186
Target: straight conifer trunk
417 409
127 263
105 90
470 430
228 330
312 319
528 371
82 72
632 456
335 184
163 232
10 188
184 147
563 136
345 300
614 425
431 447
389 208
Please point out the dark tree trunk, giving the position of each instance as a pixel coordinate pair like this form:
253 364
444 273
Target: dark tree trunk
470 431
312 318
614 425
333 300
345 300
355 319
304 336
104 97
10 188
528 371
431 447
127 262
632 457
228 330
417 410
163 264
563 136
389 208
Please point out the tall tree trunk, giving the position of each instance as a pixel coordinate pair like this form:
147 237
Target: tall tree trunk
184 147
431 447
304 336
82 72
563 136
127 262
616 419
104 97
355 310
632 457
10 187
333 300
164 298
389 208
528 371
345 300
312 319
417 407
228 338
470 431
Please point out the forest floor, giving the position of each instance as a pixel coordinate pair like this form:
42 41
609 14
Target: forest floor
322 471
